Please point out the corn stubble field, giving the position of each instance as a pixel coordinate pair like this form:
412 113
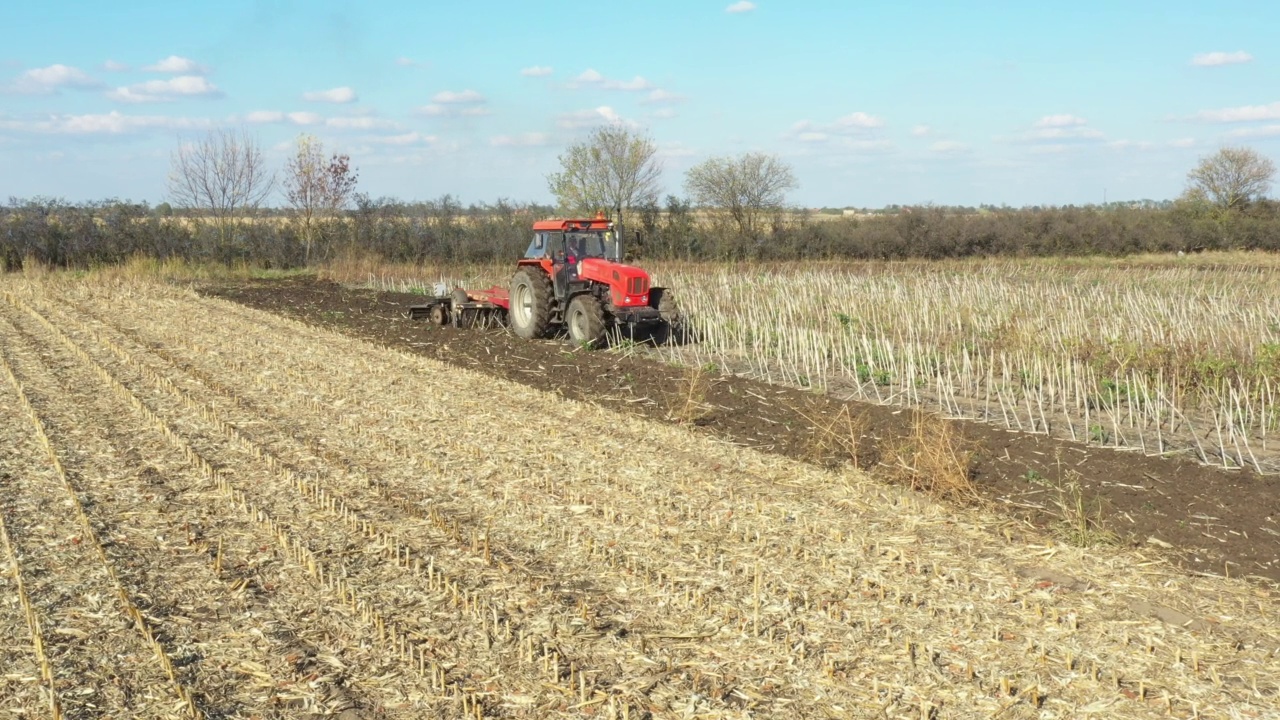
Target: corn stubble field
1177 357
211 511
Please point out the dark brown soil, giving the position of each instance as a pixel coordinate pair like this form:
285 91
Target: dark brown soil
1208 519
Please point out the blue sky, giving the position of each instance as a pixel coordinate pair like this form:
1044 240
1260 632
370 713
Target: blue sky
871 102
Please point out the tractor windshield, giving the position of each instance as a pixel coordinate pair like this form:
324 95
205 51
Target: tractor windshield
593 245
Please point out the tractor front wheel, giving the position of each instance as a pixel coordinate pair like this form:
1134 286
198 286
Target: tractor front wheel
530 297
586 321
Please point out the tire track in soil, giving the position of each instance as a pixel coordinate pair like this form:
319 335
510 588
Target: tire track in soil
472 701
289 664
1100 674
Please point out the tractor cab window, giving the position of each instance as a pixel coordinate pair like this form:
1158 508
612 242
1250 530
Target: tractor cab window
586 245
537 248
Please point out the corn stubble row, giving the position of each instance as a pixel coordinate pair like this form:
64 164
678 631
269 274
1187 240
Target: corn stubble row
1169 359
645 570
1172 360
187 604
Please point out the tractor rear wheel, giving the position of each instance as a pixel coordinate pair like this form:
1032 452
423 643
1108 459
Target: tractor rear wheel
586 321
530 297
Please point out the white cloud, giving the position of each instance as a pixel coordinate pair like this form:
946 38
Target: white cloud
864 146
448 103
859 120
264 116
593 78
856 123
47 80
1245 113
1190 142
112 123
536 71
1058 130
1131 145
1060 121
591 118
635 84
665 113
1065 133
1214 59
533 139
409 138
165 90
359 122
334 95
658 96
304 118
1256 132
307 119
406 62
113 66
175 65
921 130
949 147
466 97
741 6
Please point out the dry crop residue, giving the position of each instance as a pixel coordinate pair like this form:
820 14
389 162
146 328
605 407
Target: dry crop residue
215 511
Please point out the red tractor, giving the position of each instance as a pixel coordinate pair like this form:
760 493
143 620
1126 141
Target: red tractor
572 277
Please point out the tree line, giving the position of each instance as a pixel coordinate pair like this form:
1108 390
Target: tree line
55 233
735 208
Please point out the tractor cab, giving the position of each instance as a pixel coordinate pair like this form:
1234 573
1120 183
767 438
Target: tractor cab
568 241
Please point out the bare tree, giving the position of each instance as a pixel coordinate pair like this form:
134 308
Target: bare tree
1231 178
614 168
317 187
746 186
222 174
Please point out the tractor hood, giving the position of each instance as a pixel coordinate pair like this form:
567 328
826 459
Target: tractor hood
628 285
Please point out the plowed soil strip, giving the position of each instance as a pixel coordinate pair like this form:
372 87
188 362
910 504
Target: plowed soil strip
785 530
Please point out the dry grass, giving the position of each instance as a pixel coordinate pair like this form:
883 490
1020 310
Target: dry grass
435 542
687 402
842 437
933 460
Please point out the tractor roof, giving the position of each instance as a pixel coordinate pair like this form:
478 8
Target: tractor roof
599 222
